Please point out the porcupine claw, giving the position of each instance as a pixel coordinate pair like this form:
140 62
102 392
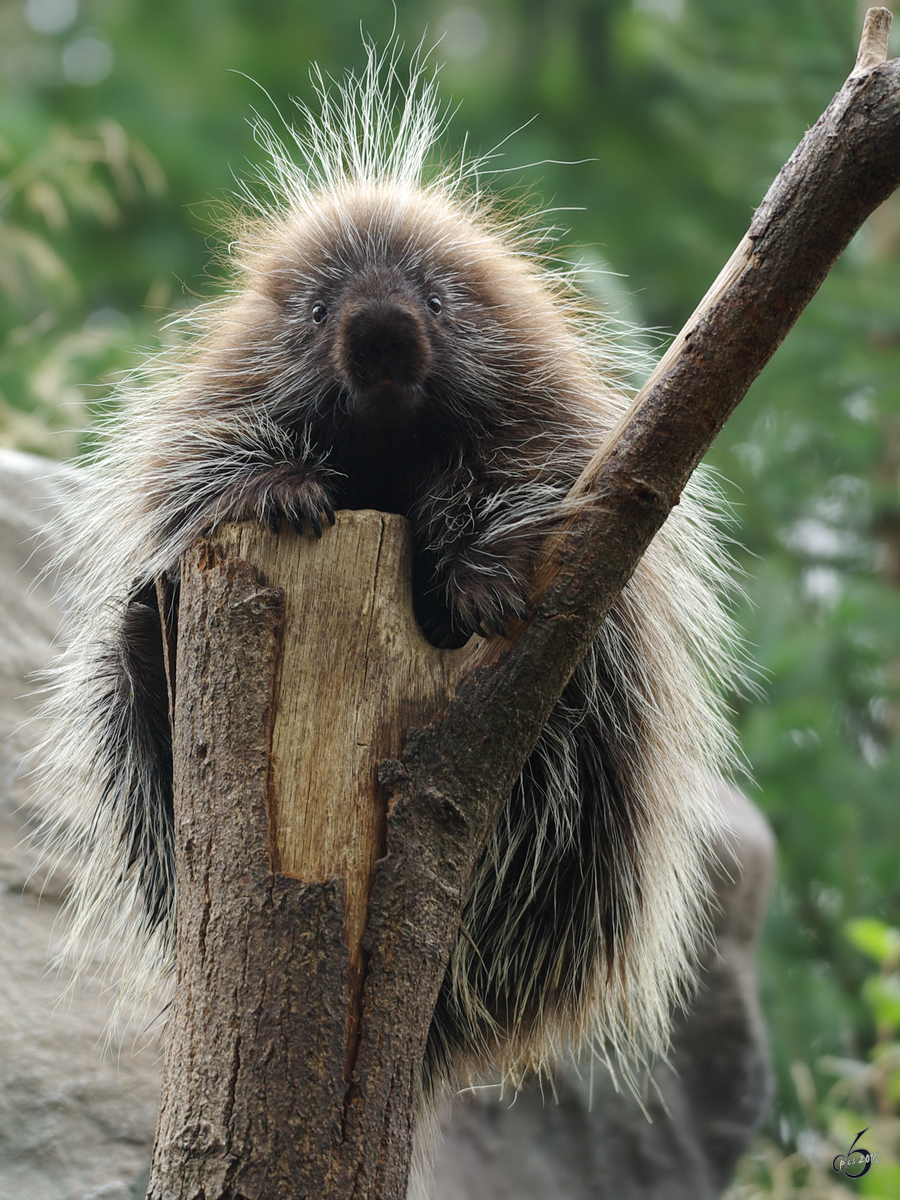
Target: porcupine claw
314 521
306 505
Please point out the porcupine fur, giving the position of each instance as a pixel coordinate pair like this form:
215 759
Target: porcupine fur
390 340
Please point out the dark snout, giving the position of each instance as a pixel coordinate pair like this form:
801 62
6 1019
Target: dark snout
383 352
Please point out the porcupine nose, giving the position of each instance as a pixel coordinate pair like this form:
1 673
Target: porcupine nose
385 346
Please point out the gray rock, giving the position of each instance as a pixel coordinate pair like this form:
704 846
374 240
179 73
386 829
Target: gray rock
75 1121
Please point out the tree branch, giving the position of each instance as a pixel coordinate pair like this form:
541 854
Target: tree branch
466 761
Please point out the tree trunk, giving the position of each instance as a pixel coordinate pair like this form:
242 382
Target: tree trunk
287 698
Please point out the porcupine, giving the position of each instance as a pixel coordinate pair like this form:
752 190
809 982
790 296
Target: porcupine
390 339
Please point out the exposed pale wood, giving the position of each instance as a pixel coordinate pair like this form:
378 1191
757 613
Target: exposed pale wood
873 45
355 674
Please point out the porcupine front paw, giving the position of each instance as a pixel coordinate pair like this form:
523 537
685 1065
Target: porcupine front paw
484 600
485 612
284 490
457 596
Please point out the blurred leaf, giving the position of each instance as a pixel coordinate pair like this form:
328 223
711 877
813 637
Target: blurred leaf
880 941
28 264
882 994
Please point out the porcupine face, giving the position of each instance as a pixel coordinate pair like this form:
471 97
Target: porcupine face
368 320
397 337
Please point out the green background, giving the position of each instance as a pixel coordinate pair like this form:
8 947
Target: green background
123 125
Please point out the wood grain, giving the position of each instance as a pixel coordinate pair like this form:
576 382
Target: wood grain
355 674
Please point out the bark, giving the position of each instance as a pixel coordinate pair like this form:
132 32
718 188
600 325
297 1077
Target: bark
336 1117
279 821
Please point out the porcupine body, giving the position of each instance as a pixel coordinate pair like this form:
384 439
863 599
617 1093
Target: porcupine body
388 342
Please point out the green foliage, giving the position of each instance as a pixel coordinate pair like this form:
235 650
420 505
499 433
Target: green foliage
674 115
54 190
861 1108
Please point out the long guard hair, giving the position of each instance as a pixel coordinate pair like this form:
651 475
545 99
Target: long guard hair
391 338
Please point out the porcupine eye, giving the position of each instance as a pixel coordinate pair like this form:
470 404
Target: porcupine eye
319 313
433 304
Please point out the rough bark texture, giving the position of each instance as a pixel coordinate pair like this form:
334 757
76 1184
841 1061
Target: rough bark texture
286 701
452 778
252 975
